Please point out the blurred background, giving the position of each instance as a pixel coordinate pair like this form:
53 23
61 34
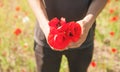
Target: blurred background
16 38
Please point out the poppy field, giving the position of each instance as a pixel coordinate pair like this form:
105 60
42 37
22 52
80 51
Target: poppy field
17 23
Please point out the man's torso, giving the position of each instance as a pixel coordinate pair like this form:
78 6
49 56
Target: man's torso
71 10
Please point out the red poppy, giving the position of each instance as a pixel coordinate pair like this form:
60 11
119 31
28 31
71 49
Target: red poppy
93 64
17 31
108 1
54 22
17 8
114 19
62 33
111 11
114 50
74 31
112 33
26 13
58 41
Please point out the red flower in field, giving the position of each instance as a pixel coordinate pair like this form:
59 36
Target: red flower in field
113 50
108 1
57 37
114 19
93 64
17 8
111 11
17 31
112 33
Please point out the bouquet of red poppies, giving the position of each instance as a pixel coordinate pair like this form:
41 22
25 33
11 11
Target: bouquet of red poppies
62 33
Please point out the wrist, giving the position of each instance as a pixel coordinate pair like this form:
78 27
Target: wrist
87 21
44 26
89 18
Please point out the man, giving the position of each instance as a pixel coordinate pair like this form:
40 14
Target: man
79 54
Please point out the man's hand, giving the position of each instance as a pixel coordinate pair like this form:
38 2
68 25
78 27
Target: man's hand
95 8
85 29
